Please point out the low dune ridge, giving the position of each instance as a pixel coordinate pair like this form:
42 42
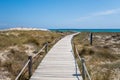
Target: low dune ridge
25 29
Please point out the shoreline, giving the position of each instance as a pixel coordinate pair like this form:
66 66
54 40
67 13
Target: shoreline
24 29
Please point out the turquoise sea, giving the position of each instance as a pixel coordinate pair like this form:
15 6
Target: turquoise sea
77 30
86 30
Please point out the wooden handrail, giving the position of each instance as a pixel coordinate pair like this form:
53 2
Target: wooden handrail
84 71
39 51
85 68
22 70
29 62
78 54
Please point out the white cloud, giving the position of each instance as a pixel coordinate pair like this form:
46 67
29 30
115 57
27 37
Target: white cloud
102 13
108 12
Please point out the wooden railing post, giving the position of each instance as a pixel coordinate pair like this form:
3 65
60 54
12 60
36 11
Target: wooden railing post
30 66
74 47
91 38
83 68
46 48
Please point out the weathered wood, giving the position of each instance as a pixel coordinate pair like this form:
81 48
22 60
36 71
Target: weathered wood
30 66
59 63
22 70
29 62
86 71
39 51
46 48
83 69
91 38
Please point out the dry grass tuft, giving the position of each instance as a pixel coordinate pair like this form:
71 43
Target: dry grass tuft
103 57
17 55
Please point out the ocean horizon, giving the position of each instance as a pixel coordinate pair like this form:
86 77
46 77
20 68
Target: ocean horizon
71 30
86 30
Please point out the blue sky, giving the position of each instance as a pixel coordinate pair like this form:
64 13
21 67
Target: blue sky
60 13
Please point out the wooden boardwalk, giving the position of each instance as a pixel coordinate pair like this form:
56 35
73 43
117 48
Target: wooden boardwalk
59 63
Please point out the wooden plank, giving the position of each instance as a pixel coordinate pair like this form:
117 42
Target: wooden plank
59 63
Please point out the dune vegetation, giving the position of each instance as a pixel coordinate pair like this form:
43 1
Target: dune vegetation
17 45
103 57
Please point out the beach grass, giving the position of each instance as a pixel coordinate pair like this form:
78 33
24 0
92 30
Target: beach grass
13 49
103 57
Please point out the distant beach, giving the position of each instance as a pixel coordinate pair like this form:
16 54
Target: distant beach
22 28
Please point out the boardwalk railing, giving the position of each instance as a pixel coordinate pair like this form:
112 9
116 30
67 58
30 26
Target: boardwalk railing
85 73
29 63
